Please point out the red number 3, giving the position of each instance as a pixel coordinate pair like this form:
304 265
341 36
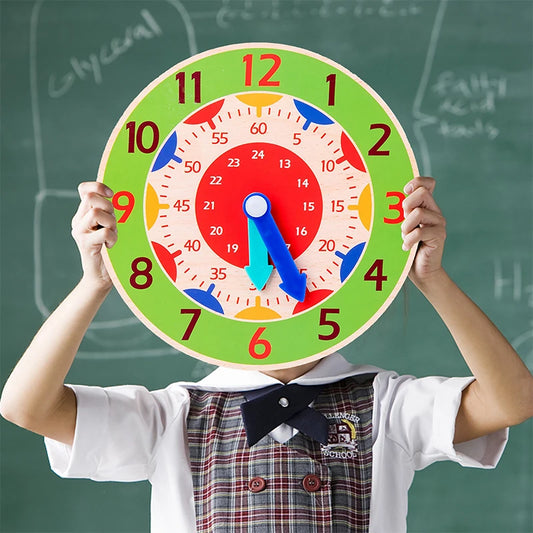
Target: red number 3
395 207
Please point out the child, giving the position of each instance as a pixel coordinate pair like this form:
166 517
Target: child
190 442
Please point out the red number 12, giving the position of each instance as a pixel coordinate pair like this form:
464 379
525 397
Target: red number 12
265 81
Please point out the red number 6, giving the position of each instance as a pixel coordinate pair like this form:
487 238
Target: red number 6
255 342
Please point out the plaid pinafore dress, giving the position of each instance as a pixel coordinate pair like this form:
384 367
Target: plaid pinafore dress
301 486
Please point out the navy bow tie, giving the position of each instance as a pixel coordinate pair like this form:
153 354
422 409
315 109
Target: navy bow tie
267 408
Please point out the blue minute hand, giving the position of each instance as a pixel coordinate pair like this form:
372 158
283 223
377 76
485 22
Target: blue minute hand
256 206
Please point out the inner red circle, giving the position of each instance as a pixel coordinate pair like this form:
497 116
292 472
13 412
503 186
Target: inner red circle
281 175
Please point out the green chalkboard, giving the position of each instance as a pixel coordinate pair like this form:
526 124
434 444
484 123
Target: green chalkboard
458 75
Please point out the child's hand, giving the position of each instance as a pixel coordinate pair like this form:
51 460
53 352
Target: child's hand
423 224
93 225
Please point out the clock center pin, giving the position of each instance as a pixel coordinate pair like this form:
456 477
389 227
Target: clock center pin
256 205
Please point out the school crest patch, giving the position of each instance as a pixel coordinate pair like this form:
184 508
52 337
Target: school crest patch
342 436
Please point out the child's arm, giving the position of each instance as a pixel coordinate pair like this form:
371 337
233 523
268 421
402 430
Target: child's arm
35 396
502 393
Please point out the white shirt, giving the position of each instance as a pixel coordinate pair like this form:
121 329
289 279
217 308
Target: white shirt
130 434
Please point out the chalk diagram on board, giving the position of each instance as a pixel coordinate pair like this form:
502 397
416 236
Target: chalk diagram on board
92 67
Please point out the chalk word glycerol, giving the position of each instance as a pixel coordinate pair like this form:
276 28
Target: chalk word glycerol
91 68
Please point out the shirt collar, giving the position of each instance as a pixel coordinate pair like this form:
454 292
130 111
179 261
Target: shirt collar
331 369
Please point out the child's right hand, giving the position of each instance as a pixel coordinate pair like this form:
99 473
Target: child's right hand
94 225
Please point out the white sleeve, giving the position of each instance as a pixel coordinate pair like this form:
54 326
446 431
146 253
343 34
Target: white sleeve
419 416
117 432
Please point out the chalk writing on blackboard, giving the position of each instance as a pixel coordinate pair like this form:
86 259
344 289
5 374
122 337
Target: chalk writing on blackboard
510 282
466 103
513 284
235 12
90 68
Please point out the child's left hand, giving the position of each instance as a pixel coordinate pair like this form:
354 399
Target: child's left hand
423 225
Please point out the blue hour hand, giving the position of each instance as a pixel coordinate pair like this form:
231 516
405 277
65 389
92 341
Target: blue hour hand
256 206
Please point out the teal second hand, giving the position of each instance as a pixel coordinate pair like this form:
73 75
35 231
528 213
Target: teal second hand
258 268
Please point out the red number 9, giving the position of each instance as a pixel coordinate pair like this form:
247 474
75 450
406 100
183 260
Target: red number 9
126 207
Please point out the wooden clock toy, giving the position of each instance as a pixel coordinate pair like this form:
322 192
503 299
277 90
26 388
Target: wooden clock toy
258 192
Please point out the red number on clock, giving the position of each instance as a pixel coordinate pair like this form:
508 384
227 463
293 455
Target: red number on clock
127 207
136 137
331 80
193 245
194 319
144 272
265 81
266 347
395 207
220 137
375 273
182 205
327 245
324 321
195 76
375 150
258 128
192 166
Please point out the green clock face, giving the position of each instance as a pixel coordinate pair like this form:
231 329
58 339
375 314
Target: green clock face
258 191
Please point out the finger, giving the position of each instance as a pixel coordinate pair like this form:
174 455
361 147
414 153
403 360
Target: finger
93 220
431 236
91 243
92 200
423 225
106 236
95 187
420 197
420 181
422 217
